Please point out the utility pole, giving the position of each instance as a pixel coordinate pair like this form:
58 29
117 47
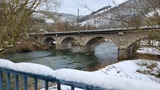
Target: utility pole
78 27
78 16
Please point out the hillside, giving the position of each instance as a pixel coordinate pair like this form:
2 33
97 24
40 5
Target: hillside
46 15
131 11
127 14
45 21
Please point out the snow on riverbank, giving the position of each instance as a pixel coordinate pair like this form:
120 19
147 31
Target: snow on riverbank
131 70
148 50
126 75
105 80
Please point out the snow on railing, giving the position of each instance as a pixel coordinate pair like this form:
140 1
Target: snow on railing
10 71
36 72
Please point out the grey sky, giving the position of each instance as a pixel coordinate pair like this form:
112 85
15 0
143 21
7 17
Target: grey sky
71 6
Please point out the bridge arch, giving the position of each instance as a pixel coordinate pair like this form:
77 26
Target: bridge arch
95 40
49 41
91 43
137 43
69 42
102 38
137 39
146 41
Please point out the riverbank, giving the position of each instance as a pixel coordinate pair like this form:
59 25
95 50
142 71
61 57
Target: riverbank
149 53
24 45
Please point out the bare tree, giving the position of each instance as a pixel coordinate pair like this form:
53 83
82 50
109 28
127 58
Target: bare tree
15 17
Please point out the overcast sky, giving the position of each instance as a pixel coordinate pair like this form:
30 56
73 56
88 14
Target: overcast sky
72 6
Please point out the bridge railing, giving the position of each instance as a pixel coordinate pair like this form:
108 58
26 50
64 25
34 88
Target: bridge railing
156 27
21 80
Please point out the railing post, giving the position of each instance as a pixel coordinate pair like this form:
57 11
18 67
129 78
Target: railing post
16 82
72 87
58 86
46 85
1 80
35 83
8 81
25 82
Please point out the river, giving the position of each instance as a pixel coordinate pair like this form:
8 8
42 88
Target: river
105 53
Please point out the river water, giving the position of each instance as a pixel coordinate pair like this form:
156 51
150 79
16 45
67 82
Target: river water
105 53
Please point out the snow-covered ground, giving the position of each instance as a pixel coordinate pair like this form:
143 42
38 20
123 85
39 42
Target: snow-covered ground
148 50
134 70
126 75
38 15
96 21
152 14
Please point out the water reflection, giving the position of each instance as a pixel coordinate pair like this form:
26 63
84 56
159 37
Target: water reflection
106 52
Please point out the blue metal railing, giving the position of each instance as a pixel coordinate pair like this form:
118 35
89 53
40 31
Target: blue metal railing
5 75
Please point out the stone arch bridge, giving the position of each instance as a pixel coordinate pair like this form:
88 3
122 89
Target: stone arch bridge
123 38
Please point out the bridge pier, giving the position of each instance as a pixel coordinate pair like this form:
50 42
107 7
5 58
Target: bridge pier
122 53
58 47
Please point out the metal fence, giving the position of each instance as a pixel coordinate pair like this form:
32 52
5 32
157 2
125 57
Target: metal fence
5 76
